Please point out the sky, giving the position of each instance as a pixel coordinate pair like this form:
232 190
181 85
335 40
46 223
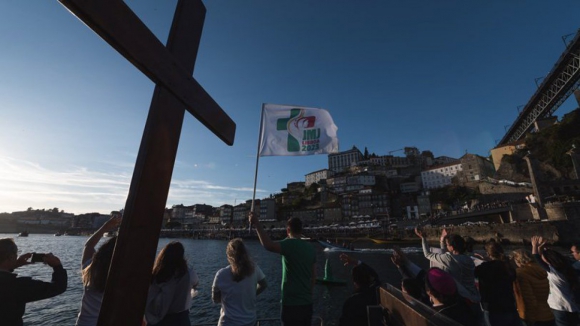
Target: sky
445 76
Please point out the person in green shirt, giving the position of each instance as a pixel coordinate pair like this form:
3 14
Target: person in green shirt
298 271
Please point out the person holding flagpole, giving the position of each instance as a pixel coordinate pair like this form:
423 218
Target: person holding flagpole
298 271
288 130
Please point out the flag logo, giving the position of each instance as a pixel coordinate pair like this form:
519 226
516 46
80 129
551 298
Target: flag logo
302 136
288 130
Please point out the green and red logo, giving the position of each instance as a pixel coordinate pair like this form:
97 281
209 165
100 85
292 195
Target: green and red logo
302 136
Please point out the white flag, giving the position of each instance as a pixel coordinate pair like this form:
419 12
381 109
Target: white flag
294 130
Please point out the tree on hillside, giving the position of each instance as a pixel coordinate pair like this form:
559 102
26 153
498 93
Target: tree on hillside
549 146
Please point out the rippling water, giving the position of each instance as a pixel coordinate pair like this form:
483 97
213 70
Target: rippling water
207 256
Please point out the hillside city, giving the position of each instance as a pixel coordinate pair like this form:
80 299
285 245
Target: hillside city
361 189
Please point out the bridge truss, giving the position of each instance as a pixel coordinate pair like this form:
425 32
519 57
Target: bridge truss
560 83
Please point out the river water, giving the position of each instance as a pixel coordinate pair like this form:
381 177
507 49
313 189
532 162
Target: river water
207 257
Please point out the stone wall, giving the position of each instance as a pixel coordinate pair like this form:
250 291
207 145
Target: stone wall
561 226
512 233
501 189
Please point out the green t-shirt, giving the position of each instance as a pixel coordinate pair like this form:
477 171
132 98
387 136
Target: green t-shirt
298 258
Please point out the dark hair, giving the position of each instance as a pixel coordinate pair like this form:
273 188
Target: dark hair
563 266
7 249
95 275
457 242
170 263
495 251
576 244
469 243
295 225
240 262
361 275
413 287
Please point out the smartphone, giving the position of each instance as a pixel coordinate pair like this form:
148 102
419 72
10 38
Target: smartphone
37 258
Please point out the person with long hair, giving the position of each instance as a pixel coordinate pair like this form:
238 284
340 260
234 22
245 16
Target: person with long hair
170 292
563 283
95 269
531 290
496 277
236 286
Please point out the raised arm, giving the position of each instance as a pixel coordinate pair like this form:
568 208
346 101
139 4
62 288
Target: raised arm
442 244
216 293
110 225
442 259
265 240
538 244
34 290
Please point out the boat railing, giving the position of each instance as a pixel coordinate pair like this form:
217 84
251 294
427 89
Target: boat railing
271 321
403 310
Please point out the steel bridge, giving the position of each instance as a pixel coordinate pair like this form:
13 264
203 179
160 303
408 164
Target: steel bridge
560 83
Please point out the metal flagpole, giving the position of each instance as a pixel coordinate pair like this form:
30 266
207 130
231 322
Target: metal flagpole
260 135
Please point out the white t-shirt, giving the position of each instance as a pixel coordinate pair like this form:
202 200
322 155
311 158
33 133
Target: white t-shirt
561 296
238 299
90 304
170 297
90 308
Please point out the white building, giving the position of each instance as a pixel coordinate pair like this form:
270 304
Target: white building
341 161
440 176
316 176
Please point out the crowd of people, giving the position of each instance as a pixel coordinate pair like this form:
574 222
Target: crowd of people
537 288
173 282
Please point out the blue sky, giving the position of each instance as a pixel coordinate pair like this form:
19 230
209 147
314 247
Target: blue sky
445 76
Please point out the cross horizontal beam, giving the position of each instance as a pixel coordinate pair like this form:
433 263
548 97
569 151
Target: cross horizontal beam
125 32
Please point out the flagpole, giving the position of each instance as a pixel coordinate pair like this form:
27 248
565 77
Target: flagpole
260 135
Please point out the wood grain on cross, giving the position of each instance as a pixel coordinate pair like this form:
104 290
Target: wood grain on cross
171 69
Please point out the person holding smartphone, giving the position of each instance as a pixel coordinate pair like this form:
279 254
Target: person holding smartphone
17 291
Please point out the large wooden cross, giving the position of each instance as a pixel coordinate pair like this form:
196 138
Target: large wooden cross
171 68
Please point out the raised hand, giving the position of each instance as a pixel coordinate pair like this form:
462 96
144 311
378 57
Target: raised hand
51 260
443 234
537 244
253 219
112 223
400 254
396 259
419 233
23 260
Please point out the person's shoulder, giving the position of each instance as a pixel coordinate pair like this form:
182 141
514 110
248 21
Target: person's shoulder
224 270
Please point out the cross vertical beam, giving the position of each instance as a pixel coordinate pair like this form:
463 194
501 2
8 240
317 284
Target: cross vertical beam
130 273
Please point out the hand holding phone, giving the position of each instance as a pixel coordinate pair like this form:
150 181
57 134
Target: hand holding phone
37 258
